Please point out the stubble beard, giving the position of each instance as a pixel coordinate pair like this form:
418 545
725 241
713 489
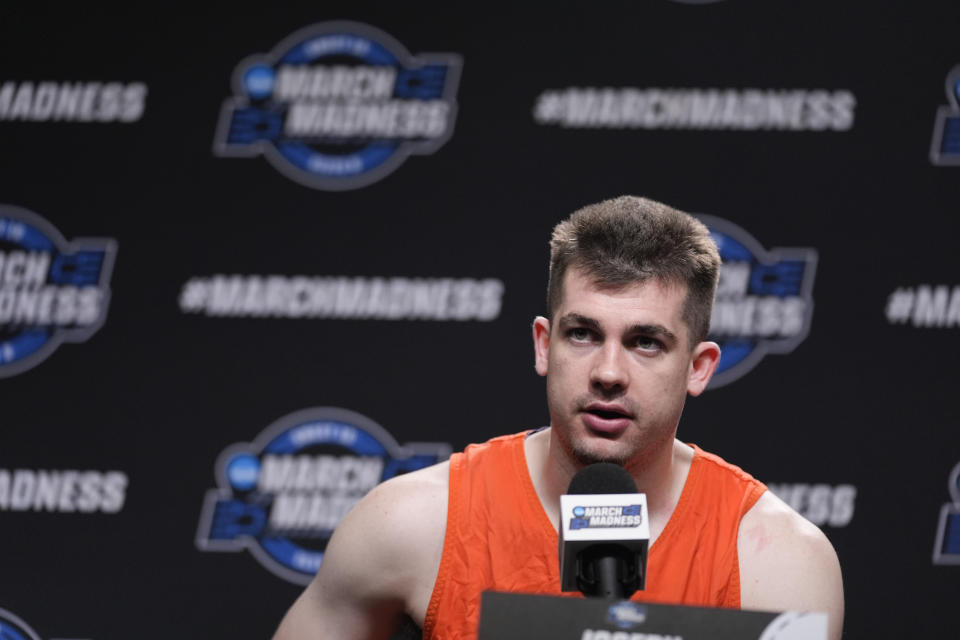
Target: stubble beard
637 448
583 457
578 449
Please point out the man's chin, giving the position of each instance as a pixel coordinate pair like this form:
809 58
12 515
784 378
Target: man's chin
592 455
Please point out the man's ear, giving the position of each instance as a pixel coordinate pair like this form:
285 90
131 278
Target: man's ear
703 362
541 344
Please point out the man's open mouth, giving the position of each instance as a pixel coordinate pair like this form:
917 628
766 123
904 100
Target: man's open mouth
608 414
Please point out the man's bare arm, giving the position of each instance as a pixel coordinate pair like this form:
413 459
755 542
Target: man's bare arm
787 564
380 563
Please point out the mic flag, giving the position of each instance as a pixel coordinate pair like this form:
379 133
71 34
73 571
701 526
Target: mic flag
604 533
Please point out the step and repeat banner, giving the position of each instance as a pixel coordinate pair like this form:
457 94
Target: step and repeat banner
256 260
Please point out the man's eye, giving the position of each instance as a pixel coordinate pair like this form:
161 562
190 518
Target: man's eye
579 334
648 344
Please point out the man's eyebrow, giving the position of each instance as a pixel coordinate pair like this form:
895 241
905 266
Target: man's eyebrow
579 320
654 330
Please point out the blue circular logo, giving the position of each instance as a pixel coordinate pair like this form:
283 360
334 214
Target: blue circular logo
579 511
243 470
258 81
339 105
282 495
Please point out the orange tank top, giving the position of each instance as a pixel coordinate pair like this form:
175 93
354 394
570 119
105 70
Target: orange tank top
499 538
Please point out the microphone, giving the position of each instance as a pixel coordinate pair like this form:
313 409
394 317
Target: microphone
604 533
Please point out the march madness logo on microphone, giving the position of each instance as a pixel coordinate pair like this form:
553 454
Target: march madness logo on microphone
282 495
606 517
51 290
339 105
764 301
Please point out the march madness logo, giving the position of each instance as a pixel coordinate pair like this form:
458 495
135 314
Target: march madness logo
764 300
282 496
945 146
339 105
617 516
51 290
947 547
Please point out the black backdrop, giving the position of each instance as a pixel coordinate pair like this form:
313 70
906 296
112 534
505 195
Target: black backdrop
864 409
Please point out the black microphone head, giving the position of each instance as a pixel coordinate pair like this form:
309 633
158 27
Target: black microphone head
602 477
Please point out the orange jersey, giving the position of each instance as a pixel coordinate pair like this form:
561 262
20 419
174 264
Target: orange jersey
499 538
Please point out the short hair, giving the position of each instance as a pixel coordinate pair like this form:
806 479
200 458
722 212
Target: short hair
628 240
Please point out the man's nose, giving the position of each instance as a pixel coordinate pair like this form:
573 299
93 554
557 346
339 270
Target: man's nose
610 368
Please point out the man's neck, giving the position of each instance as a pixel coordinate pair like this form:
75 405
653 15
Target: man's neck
661 476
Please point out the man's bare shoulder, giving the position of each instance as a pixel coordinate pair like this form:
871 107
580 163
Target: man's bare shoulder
787 563
399 525
381 562
425 488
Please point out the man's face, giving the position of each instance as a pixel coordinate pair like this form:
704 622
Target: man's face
618 364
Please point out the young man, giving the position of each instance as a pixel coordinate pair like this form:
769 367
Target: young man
629 300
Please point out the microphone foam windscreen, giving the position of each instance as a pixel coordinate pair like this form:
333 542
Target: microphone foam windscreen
602 477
